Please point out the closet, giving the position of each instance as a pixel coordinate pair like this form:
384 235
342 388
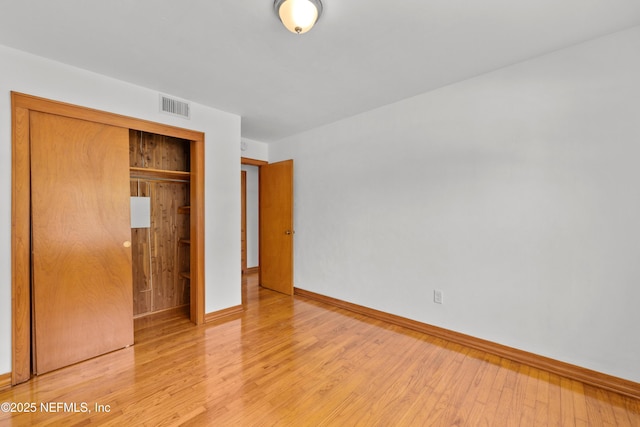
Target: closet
160 168
78 267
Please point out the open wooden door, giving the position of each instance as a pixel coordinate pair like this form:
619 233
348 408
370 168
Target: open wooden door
82 294
276 226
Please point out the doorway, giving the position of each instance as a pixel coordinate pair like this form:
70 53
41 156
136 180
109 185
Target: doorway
250 219
22 108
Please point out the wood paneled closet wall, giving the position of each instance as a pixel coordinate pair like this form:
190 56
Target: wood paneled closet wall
160 254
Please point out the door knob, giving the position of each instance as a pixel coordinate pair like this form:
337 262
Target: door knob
126 244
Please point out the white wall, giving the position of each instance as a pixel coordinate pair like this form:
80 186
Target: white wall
515 193
252 215
256 150
29 74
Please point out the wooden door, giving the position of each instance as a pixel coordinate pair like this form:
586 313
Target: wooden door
276 226
82 293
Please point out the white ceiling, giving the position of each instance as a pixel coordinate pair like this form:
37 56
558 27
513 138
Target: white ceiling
235 55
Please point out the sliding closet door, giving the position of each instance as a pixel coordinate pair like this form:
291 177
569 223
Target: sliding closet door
82 292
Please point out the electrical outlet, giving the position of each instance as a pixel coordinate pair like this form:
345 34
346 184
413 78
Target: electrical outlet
437 296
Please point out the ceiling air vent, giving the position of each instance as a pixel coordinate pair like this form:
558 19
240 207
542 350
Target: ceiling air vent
175 107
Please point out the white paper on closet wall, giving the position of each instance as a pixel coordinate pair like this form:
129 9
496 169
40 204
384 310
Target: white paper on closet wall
140 212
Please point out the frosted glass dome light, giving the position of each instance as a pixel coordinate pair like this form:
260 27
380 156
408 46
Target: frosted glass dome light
298 16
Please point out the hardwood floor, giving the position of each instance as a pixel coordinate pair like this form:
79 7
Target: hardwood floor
291 361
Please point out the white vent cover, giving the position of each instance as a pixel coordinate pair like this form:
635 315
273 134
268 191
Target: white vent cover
175 107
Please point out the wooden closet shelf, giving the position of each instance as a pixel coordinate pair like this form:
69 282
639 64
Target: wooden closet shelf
184 209
184 241
159 173
186 274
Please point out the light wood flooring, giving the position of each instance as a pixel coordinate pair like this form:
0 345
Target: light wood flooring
288 361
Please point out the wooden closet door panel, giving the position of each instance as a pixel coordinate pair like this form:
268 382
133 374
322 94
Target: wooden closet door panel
82 276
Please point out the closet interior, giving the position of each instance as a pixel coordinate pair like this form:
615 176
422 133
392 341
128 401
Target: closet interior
159 167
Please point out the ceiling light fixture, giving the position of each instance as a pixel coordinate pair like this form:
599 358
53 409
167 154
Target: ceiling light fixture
298 16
